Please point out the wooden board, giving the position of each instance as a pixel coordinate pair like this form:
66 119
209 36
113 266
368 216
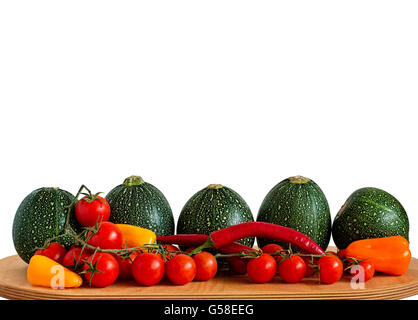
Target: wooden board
13 285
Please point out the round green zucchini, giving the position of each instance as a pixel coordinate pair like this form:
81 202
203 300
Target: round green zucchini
213 208
369 213
41 216
141 204
297 203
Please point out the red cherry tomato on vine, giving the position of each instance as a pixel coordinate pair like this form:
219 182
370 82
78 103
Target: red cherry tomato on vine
238 265
106 264
364 270
125 266
90 212
148 269
341 254
170 247
75 257
273 248
292 269
169 253
330 269
331 253
206 266
262 269
181 269
55 251
108 236
310 263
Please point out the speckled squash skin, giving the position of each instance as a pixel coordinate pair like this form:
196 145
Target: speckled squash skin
297 203
369 213
141 204
213 208
41 216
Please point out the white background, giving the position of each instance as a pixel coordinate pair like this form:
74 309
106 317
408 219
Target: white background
188 93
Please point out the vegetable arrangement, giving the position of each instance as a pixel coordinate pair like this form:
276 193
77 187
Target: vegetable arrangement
128 235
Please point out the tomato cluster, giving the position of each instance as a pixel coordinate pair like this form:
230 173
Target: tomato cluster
103 266
292 268
149 268
101 269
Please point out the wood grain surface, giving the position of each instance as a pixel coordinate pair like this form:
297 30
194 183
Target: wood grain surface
13 285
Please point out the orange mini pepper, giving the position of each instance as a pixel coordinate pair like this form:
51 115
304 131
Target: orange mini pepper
45 272
390 255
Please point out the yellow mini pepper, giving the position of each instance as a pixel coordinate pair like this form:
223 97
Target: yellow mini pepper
134 236
45 272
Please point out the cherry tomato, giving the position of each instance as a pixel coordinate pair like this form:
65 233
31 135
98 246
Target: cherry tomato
181 269
330 269
169 253
73 256
108 236
125 266
171 248
341 254
262 269
148 269
273 248
106 264
55 251
292 269
366 268
90 212
238 265
331 253
310 270
206 266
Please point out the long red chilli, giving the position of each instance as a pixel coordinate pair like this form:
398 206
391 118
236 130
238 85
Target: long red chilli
194 240
187 240
235 247
224 239
226 236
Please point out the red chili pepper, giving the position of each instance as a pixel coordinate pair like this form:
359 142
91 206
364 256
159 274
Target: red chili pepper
187 240
235 247
226 236
193 240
